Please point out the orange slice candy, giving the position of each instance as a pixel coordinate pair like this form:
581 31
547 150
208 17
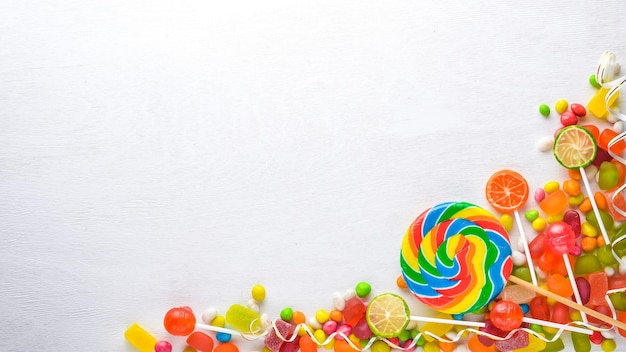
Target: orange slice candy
506 191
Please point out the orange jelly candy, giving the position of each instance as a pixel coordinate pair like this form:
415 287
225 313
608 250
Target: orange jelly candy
606 136
599 283
554 203
560 285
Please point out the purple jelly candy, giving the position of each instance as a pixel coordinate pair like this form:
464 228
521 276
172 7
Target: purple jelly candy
272 341
572 218
361 330
518 340
584 289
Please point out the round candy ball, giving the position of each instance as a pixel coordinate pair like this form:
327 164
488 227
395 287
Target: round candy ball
560 237
179 321
506 315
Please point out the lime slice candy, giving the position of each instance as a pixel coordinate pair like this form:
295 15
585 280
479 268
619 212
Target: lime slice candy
574 147
387 315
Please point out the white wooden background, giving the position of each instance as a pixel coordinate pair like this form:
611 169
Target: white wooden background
164 153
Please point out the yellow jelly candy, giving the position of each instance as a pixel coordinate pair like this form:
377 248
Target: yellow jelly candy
243 319
534 344
140 338
597 104
507 222
437 328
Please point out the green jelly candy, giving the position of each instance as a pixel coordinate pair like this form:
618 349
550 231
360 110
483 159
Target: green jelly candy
619 300
607 220
581 342
587 263
544 110
243 319
605 255
554 346
522 272
531 215
607 178
621 245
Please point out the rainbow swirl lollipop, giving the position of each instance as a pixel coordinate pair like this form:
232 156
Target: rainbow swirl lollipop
456 257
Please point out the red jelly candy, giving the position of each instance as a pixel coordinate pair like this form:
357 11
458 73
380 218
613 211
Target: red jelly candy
353 311
200 341
596 338
602 310
362 330
599 283
490 329
518 340
539 308
307 344
572 218
293 346
560 313
272 341
537 246
179 321
506 315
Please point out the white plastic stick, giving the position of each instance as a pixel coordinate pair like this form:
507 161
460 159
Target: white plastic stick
529 259
594 205
572 280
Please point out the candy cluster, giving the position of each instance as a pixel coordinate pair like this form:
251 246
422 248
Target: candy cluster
494 287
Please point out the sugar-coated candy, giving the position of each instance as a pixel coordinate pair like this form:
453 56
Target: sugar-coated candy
200 341
285 329
322 316
223 336
291 346
561 105
343 330
491 329
518 340
593 81
554 346
339 302
163 346
506 315
540 193
179 321
599 283
208 315
363 289
329 327
517 294
380 346
544 110
534 344
226 347
608 345
243 319
581 342
286 314
568 118
537 246
141 339
353 311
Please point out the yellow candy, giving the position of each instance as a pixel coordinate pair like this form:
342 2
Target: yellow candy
258 293
597 104
219 321
548 329
380 346
322 316
507 222
588 230
555 218
140 338
534 344
551 186
576 200
319 336
355 340
302 330
437 328
561 106
431 346
539 224
575 316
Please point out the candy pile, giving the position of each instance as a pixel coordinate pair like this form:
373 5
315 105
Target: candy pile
492 291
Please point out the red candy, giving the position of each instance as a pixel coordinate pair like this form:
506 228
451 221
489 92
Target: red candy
200 341
506 315
578 110
560 238
272 341
353 311
179 321
599 283
568 118
539 308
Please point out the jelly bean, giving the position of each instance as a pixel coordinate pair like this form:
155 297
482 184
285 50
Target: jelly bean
227 347
363 289
243 319
606 218
362 329
298 317
619 300
380 346
588 230
322 316
545 143
559 285
608 345
594 83
540 194
223 336
518 340
583 289
588 243
539 224
163 346
539 308
400 282
506 315
537 246
507 222
517 294
555 218
272 341
200 341
560 313
319 336
522 272
587 263
544 110
575 201
572 218
307 344
608 176
353 312
561 105
518 258
179 321
606 136
141 339
576 251
571 187
531 215
560 238
568 118
578 110
551 186
599 282
286 314
437 329
554 203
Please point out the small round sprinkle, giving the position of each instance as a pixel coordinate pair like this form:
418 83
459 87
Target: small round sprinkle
363 289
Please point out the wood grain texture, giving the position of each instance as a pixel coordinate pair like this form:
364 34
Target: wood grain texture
156 154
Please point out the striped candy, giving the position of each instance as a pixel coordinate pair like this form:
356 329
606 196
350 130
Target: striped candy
456 257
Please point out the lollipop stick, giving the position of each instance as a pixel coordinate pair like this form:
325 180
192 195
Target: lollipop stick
594 205
529 259
572 280
568 302
480 324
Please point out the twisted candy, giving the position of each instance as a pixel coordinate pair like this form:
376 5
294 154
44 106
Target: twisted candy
456 257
